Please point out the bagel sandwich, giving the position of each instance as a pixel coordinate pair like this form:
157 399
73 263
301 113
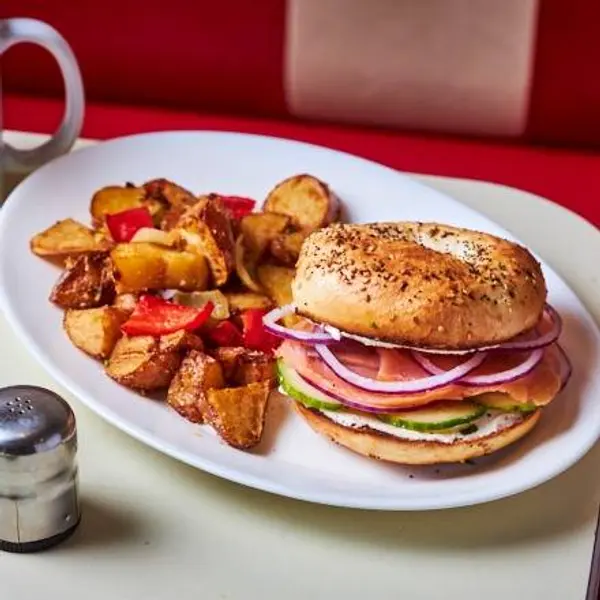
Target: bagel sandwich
419 343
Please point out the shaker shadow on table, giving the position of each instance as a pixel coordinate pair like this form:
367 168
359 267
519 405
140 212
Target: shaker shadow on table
39 500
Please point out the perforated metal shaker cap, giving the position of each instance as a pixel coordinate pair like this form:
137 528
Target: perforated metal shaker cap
39 503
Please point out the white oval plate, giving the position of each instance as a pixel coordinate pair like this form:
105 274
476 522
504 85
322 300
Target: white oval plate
292 460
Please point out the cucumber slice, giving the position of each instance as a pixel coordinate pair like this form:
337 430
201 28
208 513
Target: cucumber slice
504 402
441 415
298 389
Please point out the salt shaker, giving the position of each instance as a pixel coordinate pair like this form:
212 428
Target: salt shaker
39 503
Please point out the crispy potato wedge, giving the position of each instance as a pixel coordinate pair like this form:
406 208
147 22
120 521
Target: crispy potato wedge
286 247
240 301
187 393
171 217
143 362
242 366
254 366
206 229
67 239
177 198
277 283
181 341
102 235
146 266
228 357
216 216
238 414
306 200
245 266
114 199
167 192
87 282
138 267
259 229
95 331
126 302
186 271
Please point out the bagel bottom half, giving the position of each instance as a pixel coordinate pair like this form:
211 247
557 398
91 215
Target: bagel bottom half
381 446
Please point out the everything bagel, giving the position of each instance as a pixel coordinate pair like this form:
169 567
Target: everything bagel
421 284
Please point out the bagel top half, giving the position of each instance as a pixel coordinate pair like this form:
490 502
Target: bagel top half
420 284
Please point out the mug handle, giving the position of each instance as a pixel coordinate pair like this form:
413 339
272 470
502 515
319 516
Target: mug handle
14 31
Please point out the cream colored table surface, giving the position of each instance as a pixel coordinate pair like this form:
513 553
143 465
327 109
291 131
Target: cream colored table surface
155 529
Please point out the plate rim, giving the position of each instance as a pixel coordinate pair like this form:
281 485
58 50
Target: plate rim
236 475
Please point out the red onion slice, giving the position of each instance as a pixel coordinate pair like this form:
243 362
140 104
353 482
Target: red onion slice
331 334
306 337
540 341
412 386
507 376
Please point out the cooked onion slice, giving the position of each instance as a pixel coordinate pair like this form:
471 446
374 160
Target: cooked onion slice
412 386
509 375
307 337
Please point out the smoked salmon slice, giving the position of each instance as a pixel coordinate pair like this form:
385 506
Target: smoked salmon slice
539 387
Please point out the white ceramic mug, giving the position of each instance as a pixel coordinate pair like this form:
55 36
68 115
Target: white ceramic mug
14 31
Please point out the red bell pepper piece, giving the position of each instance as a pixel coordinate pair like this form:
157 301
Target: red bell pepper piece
238 206
123 225
256 336
155 316
226 334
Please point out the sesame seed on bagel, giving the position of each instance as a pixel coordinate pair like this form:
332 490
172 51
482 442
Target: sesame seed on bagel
423 284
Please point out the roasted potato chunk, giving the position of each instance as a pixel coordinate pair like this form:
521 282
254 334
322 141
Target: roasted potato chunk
245 266
67 239
171 217
238 414
177 198
306 200
277 282
228 357
181 341
114 199
254 366
145 266
259 229
240 301
286 247
126 302
95 331
144 362
197 374
86 283
242 366
167 192
206 228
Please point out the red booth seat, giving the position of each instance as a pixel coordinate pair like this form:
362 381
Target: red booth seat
569 177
